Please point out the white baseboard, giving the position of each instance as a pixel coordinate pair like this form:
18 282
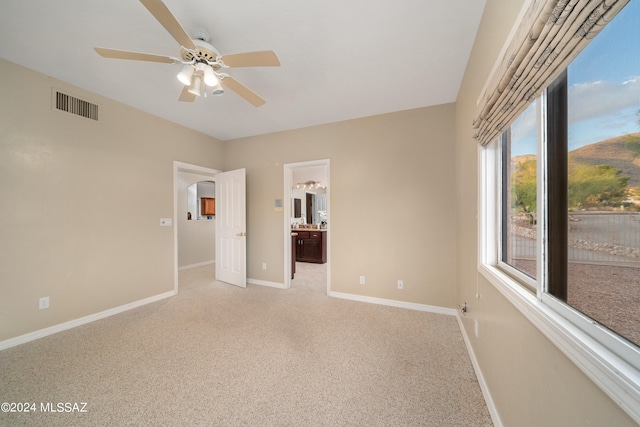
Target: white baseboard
265 283
31 336
198 264
493 411
395 303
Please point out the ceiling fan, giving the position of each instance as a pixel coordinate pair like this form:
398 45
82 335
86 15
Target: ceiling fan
202 63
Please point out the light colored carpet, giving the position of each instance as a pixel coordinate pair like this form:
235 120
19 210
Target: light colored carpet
224 356
310 276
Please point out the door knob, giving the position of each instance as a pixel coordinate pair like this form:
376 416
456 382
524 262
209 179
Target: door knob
241 234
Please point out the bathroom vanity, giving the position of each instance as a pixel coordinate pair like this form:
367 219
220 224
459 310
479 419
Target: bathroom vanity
310 244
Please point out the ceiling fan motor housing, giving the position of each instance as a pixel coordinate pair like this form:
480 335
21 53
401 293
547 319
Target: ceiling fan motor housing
204 52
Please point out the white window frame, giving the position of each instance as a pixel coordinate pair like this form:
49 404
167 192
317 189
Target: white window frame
610 361
533 284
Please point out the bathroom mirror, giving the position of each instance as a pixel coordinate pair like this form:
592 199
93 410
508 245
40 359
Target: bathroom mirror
310 206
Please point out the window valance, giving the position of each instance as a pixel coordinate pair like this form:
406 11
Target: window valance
550 35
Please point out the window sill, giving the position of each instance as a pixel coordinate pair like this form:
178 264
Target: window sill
614 376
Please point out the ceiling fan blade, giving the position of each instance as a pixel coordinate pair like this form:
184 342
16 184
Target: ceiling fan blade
243 91
186 96
265 58
123 54
160 11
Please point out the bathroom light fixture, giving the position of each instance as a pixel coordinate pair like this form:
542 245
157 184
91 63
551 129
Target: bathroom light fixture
310 185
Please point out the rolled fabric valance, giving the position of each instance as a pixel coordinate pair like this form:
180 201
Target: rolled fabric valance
550 35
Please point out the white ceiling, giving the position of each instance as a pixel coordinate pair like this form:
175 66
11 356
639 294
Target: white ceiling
339 59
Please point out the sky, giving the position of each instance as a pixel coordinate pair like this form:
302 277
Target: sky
604 88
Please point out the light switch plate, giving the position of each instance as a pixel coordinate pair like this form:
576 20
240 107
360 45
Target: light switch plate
165 222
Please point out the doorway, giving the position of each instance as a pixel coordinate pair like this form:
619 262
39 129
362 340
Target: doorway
309 182
184 175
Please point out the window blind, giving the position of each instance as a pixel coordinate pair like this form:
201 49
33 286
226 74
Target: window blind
550 35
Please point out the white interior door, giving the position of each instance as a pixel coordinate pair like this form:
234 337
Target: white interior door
231 217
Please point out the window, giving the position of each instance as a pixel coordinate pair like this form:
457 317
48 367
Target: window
603 178
566 179
592 190
519 197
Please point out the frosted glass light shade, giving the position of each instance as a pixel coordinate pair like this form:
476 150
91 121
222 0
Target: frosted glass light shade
217 89
210 78
195 87
185 75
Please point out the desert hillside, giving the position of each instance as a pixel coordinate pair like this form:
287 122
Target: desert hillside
615 152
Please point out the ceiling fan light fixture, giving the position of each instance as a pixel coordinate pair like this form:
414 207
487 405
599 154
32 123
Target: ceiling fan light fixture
196 86
200 67
217 89
186 74
210 78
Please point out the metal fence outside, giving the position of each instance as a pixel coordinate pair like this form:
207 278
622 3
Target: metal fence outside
604 237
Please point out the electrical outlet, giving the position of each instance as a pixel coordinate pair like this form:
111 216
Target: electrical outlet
264 265
362 280
165 222
400 284
43 303
476 328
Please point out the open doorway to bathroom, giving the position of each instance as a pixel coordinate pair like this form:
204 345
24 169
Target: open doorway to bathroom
307 225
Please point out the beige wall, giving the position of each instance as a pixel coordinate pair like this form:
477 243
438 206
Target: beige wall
531 381
391 202
81 203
